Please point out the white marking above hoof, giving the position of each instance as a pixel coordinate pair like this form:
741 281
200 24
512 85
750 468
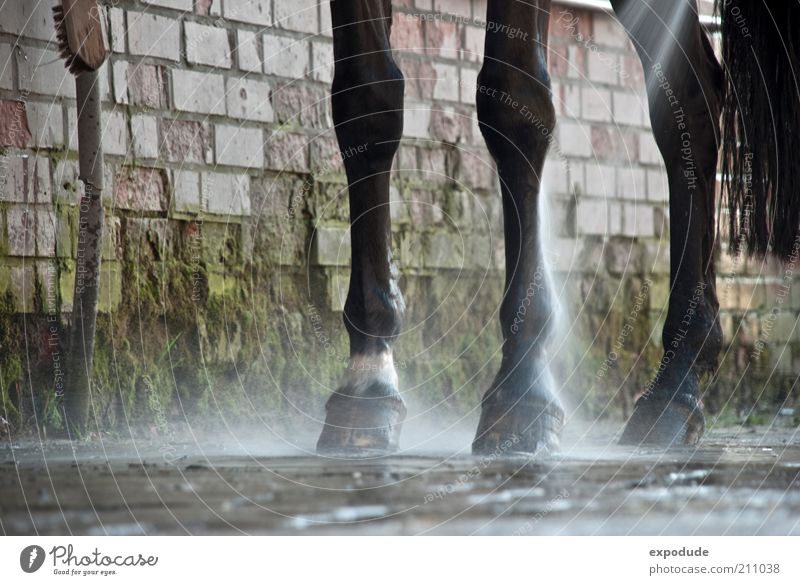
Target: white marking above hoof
365 369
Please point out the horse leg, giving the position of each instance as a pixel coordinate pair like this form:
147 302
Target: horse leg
684 82
519 411
366 412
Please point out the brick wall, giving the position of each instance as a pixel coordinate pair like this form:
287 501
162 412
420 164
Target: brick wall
226 213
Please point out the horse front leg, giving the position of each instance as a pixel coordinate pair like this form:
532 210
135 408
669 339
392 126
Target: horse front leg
520 410
684 82
364 415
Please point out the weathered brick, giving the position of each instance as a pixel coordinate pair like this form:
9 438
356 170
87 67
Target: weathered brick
207 45
591 217
45 233
648 150
249 99
186 191
23 287
116 30
239 146
114 129
417 120
21 226
145 85
248 50
407 33
287 152
468 85
154 36
42 71
140 189
444 250
30 19
306 105
285 56
25 179
225 194
184 5
67 187
208 7
185 141
14 129
46 124
299 15
607 32
249 11
144 136
331 246
442 38
6 69
195 91
448 125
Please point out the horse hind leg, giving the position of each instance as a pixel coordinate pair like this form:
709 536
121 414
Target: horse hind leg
520 411
364 415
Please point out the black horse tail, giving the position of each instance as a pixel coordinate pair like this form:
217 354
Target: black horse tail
761 124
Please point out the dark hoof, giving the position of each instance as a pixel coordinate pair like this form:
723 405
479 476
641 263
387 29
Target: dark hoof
506 429
362 426
664 423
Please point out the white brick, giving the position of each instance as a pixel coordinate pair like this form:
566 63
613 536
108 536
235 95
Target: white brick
154 36
285 57
238 146
574 138
628 108
554 176
591 217
207 45
42 71
322 62
299 15
608 32
120 82
116 17
46 123
474 40
639 221
186 185
632 183
185 5
29 18
195 91
225 194
446 87
469 85
457 7
332 246
648 150
247 51
603 67
657 187
144 136
601 181
249 11
114 131
596 104
417 120
249 100
325 26
571 95
6 68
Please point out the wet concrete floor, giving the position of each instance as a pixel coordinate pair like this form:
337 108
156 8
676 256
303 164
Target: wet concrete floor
739 481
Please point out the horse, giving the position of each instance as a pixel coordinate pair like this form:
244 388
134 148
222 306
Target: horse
747 107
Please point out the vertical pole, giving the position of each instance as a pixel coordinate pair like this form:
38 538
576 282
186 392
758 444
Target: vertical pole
87 269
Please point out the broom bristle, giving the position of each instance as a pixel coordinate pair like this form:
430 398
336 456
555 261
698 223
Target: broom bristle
87 40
